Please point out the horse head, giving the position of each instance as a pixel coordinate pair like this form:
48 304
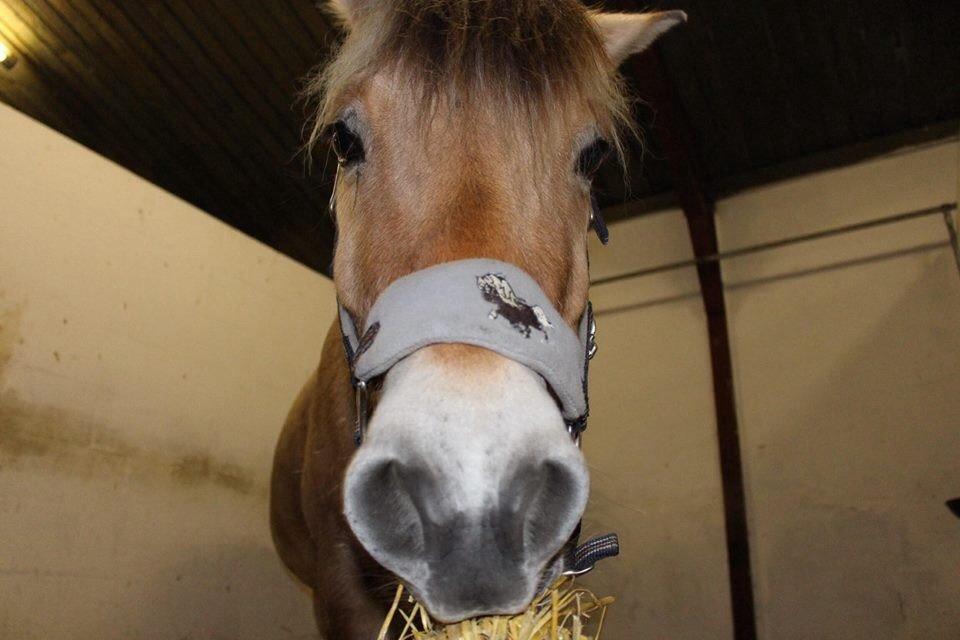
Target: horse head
471 129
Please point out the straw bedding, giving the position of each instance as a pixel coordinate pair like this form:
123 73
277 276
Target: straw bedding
564 612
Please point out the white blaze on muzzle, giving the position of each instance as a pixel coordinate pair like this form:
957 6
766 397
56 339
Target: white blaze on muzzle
480 302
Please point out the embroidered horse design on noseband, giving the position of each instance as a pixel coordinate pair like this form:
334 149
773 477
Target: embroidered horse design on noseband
522 316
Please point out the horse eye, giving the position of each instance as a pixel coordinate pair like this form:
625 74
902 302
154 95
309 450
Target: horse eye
346 144
592 157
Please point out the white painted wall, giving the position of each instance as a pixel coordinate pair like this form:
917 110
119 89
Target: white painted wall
847 364
148 356
651 443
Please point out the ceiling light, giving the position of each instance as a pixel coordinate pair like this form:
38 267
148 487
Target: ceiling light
7 59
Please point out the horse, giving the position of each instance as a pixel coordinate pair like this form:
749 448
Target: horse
463 129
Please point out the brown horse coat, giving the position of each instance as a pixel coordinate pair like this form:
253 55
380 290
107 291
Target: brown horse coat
350 591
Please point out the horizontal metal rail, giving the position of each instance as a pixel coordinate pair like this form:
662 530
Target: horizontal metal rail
944 209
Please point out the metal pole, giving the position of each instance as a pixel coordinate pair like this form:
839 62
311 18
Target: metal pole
945 209
675 133
949 218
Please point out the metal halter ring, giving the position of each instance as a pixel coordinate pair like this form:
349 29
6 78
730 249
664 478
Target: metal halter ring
576 433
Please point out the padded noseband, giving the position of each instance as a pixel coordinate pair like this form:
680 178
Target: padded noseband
481 302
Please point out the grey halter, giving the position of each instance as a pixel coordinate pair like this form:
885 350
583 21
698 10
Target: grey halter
489 304
481 302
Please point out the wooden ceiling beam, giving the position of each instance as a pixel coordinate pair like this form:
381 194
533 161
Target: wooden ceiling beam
251 59
217 186
289 196
208 181
22 89
287 35
313 20
30 41
281 60
87 72
192 47
813 163
222 132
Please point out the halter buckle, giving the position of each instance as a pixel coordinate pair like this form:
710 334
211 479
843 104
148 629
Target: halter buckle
597 222
361 402
333 192
591 338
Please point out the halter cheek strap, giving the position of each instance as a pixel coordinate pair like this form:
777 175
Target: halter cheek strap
485 303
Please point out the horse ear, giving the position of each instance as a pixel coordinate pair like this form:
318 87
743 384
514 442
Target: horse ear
345 11
625 34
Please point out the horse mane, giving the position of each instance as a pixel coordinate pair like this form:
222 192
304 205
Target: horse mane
524 56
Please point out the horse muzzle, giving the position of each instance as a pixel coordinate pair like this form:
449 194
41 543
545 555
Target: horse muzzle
467 500
467 483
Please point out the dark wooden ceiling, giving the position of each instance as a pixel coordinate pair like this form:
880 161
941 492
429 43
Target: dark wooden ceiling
200 96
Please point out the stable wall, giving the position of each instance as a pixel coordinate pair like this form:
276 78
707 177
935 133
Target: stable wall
148 355
846 355
847 365
651 442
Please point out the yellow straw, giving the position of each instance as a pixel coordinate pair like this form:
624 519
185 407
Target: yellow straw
564 612
393 611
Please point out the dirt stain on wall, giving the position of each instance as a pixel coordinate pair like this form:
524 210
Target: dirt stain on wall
52 439
197 469
55 440
10 321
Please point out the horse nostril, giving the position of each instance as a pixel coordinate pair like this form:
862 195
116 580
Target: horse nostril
381 504
491 563
546 501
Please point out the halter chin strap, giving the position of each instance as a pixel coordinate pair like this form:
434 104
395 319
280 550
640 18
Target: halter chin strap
481 302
